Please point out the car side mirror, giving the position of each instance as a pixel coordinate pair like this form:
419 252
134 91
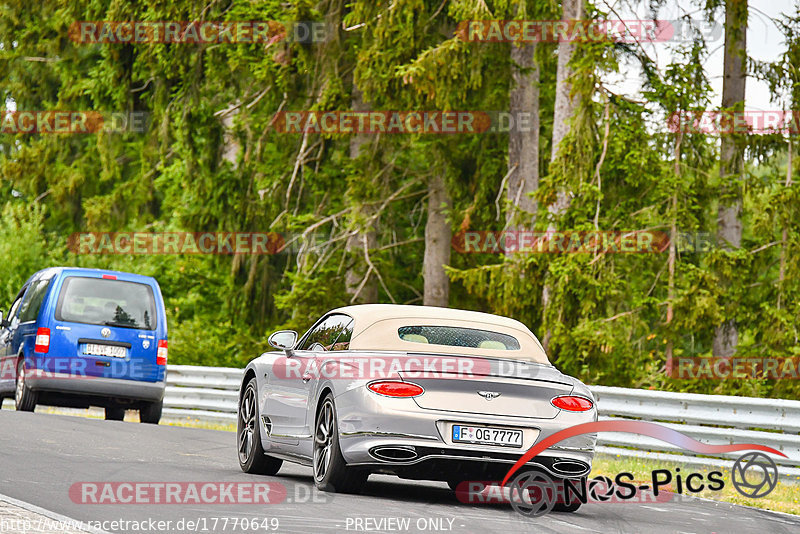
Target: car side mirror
3 322
284 340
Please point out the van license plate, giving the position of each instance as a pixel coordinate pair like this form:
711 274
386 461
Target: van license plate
94 349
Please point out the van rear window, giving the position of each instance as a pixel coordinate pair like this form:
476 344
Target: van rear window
107 302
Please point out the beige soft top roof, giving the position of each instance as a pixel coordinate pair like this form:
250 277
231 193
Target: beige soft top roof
376 327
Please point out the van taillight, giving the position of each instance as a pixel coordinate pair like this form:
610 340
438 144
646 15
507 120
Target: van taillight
42 343
161 355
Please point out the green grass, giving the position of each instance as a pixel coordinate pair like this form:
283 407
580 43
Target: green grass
196 423
784 498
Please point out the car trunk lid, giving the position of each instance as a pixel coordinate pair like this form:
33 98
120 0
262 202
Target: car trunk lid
493 387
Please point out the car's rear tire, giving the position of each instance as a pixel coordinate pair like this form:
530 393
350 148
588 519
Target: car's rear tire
115 413
565 507
331 472
24 398
248 436
453 483
150 413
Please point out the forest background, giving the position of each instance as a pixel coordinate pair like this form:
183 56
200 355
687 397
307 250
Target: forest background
373 216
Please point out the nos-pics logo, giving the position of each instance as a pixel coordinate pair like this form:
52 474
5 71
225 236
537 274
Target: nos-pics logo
534 493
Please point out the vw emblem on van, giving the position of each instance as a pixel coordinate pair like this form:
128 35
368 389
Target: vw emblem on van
105 332
145 344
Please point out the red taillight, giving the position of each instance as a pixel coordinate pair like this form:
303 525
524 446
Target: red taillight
161 355
392 388
109 277
572 403
42 343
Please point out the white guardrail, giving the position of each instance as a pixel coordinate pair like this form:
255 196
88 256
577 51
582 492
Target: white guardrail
211 393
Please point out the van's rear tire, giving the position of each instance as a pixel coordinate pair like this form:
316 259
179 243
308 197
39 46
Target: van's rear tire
24 398
114 413
150 412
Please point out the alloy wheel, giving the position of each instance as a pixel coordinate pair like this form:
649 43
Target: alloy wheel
247 415
323 440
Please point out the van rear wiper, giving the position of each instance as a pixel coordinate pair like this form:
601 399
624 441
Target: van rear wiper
112 323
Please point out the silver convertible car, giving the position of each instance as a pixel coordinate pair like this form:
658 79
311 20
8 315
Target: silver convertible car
415 391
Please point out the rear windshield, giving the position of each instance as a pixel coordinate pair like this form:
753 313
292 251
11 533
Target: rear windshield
455 336
107 302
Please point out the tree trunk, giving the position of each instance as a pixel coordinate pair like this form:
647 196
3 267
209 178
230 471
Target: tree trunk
564 104
564 109
785 233
523 146
354 247
673 235
438 236
729 224
230 144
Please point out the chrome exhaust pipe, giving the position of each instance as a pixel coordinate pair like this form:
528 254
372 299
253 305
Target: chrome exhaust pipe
394 453
570 468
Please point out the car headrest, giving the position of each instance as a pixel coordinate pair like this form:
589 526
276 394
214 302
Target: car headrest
491 344
415 338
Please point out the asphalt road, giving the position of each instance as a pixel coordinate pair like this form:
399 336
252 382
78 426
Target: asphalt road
42 456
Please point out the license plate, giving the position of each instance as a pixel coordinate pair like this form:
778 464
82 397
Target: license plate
486 435
94 349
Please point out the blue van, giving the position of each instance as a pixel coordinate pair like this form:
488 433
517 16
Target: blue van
86 337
